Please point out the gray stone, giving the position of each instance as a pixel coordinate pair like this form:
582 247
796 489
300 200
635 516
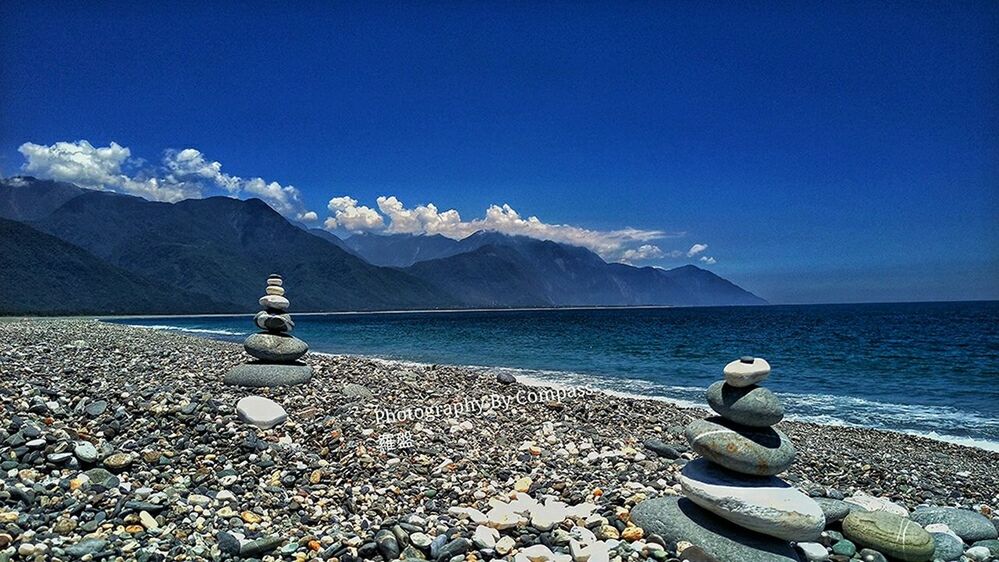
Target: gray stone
991 544
748 405
356 391
387 544
749 450
834 510
279 323
890 534
813 551
278 348
946 547
661 449
746 371
96 408
764 504
505 378
85 451
978 553
268 374
259 546
85 547
274 302
260 412
971 526
678 519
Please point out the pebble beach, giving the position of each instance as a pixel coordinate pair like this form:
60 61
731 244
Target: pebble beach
123 443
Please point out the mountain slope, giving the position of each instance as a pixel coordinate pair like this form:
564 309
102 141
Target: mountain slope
225 248
42 274
26 198
403 250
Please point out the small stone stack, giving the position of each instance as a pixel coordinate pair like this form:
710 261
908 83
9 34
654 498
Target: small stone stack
276 350
735 506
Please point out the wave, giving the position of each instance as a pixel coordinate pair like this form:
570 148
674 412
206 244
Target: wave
190 330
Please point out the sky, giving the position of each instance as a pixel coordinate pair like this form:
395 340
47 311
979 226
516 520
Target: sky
809 152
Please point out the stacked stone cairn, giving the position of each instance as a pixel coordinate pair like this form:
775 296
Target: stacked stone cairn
735 506
277 352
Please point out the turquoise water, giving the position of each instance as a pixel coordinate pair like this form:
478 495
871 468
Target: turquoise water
927 368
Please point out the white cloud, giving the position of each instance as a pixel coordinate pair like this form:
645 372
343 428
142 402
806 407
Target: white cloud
310 216
696 249
184 174
708 260
347 215
641 253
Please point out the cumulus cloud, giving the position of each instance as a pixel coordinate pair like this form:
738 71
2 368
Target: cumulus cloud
708 260
641 253
183 174
309 216
347 215
696 249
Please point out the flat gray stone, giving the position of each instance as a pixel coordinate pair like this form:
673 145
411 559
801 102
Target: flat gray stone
946 547
747 405
275 302
749 450
268 374
969 525
834 510
679 519
279 348
261 412
274 322
764 504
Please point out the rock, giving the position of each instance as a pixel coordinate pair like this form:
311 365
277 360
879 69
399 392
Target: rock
274 302
871 503
868 555
96 408
454 548
259 546
834 510
275 280
891 534
971 526
844 548
421 540
746 371
86 547
274 322
101 477
118 461
766 504
274 290
268 374
261 412
505 378
813 551
388 546
749 450
485 537
356 391
85 451
661 449
505 545
991 544
946 547
751 405
279 348
678 519
523 485
978 553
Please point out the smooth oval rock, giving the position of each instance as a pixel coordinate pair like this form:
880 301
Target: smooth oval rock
834 510
751 405
871 503
261 412
280 348
746 371
749 450
679 519
274 302
946 546
274 322
890 534
268 374
971 526
764 504
274 290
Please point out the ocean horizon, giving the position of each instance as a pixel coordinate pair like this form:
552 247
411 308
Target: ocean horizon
928 369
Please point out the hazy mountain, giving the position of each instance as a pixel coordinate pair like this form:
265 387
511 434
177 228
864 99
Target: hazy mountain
403 250
42 274
26 198
225 248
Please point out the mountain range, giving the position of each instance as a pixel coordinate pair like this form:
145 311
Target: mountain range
73 250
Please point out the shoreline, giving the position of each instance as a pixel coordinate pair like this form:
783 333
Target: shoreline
166 442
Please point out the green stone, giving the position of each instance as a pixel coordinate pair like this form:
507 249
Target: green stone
844 547
890 534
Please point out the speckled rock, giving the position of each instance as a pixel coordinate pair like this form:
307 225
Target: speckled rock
890 534
747 405
268 374
969 525
749 450
280 348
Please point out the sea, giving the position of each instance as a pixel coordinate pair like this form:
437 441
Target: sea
930 369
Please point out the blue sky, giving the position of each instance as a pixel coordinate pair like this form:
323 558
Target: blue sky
824 152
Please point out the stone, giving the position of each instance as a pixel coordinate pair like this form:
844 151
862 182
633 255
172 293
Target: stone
388 546
454 548
86 547
505 545
279 348
746 371
268 374
834 510
844 548
890 534
118 461
485 537
260 412
661 449
978 553
971 526
274 302
679 519
96 408
85 451
765 504
274 290
355 390
749 450
991 544
274 280
813 551
871 503
505 378
274 322
259 546
751 405
946 546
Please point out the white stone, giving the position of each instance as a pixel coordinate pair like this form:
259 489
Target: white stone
275 302
148 521
485 537
941 528
545 517
871 503
583 535
275 281
766 505
275 290
505 545
540 553
739 373
814 552
261 412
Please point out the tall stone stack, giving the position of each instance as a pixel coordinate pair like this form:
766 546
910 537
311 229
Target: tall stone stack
277 352
735 507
